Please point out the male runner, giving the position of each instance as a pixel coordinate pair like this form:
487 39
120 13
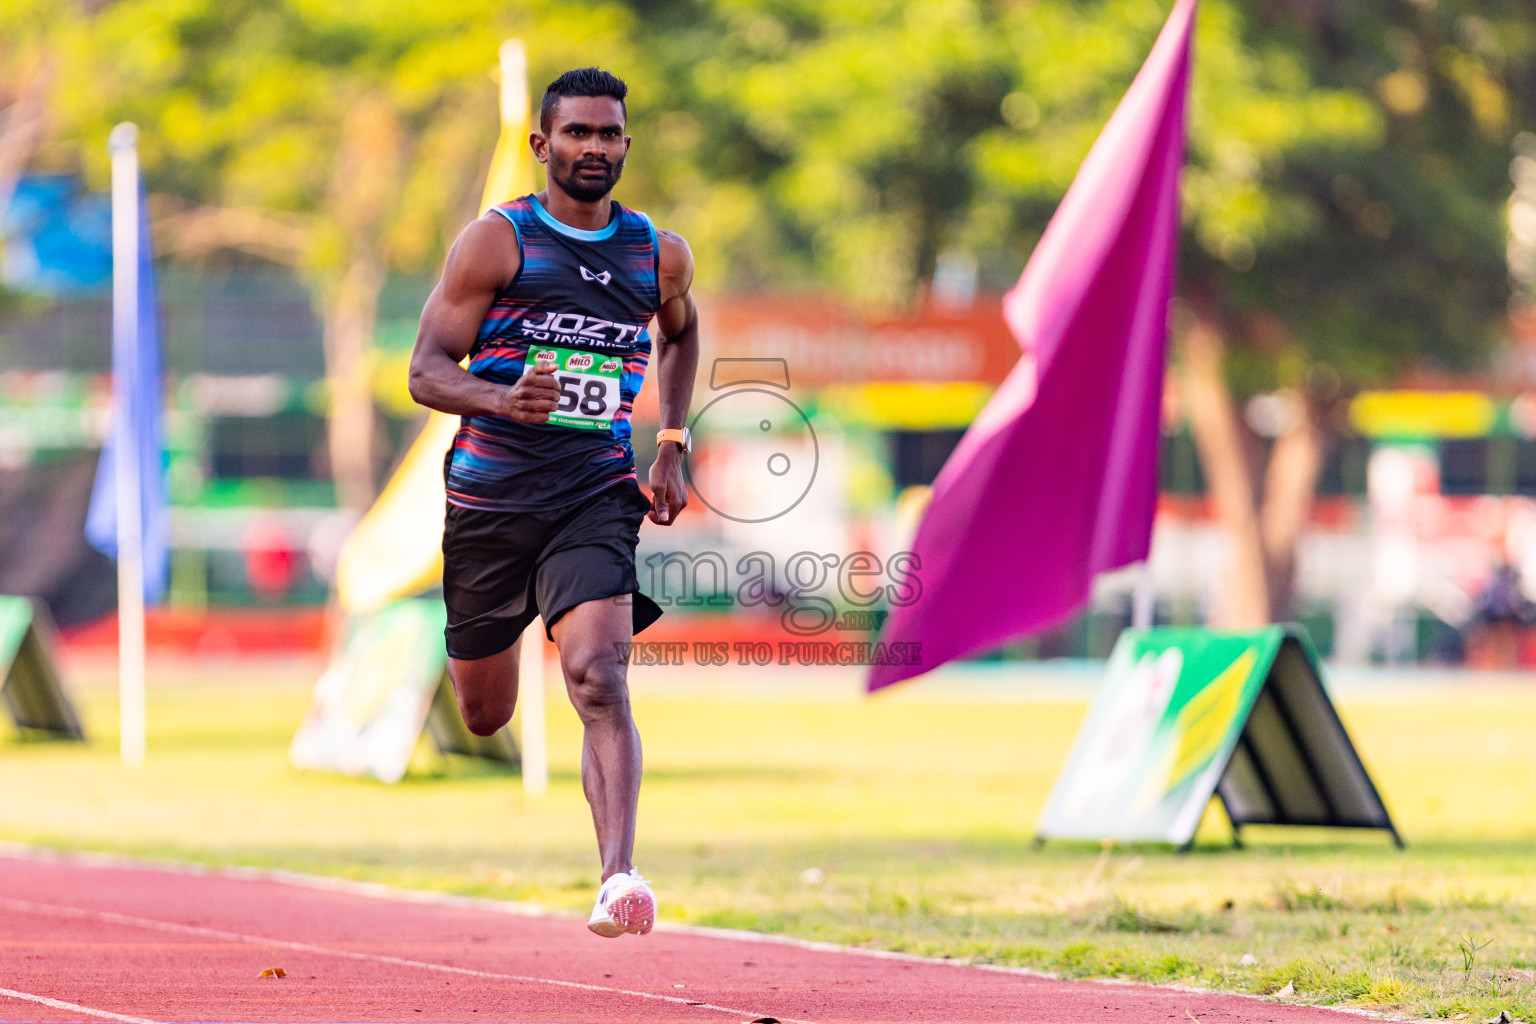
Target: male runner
549 296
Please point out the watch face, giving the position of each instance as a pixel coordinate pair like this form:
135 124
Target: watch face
757 458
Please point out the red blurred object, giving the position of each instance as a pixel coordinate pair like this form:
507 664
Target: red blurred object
1502 646
270 560
233 631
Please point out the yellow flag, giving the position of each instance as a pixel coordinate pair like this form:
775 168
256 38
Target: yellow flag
512 165
396 549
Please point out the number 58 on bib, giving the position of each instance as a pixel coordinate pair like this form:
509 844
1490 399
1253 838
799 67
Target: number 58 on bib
589 386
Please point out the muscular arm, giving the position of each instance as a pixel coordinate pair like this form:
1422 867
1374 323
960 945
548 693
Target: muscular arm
480 264
677 322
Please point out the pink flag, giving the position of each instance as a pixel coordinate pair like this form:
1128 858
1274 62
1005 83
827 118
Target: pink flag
1056 481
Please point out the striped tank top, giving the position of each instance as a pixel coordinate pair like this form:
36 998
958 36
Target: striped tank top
582 299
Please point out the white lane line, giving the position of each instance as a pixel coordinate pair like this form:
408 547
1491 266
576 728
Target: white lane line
107 916
59 1004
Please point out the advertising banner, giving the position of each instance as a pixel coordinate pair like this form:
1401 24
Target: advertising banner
30 685
1186 714
387 682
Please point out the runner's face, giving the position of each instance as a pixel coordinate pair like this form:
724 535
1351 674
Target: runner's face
586 146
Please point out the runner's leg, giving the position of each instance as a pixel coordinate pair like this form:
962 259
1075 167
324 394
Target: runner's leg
487 689
590 637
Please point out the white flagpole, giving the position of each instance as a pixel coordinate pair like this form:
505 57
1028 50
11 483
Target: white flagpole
514 83
530 695
130 528
1143 598
530 669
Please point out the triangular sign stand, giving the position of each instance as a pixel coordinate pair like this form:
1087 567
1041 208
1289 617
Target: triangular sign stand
29 683
1185 714
388 681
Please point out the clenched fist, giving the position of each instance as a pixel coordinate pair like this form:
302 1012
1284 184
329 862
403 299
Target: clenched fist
534 396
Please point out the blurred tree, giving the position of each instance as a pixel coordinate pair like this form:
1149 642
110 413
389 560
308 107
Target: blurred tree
347 140
1386 255
26 75
823 144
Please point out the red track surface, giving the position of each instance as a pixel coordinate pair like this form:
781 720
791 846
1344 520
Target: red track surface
93 942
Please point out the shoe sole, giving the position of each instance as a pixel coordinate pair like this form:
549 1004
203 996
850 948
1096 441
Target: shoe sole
634 912
607 929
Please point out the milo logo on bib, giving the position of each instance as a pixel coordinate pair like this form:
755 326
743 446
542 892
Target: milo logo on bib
588 397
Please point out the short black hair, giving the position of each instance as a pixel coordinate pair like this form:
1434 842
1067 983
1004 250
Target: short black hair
581 82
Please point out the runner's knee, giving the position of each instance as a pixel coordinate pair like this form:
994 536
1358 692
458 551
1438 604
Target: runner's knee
482 719
486 691
597 686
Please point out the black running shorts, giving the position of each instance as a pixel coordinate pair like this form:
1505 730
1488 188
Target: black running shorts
502 569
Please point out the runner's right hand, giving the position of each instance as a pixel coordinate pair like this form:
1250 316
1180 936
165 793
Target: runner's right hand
534 396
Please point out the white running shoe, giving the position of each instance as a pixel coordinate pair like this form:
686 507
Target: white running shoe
625 903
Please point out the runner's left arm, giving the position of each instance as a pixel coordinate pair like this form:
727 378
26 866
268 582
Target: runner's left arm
677 361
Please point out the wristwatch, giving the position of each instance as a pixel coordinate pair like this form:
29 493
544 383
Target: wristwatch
682 436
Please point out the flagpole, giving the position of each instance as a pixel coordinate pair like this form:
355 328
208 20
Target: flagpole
503 183
130 528
530 695
1143 598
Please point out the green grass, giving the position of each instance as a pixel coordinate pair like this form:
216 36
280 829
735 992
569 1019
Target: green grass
903 823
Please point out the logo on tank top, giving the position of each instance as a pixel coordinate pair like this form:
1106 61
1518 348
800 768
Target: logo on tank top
580 329
602 279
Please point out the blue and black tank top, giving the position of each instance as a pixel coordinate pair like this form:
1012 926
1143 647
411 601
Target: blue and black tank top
582 299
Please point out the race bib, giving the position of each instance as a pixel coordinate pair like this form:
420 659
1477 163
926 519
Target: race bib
589 386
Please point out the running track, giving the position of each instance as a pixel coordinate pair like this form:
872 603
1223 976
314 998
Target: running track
88 940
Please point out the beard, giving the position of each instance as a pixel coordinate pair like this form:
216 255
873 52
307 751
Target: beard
586 189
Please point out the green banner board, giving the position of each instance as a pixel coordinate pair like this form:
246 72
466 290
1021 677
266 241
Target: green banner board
30 686
387 682
1185 714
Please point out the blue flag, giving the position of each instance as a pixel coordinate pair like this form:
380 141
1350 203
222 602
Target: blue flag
136 408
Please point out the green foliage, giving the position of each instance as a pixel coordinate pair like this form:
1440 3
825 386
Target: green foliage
1343 197
1121 916
1089 960
1318 978
1404 256
1469 949
874 136
253 103
856 120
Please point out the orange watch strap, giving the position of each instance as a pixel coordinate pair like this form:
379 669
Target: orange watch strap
677 435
